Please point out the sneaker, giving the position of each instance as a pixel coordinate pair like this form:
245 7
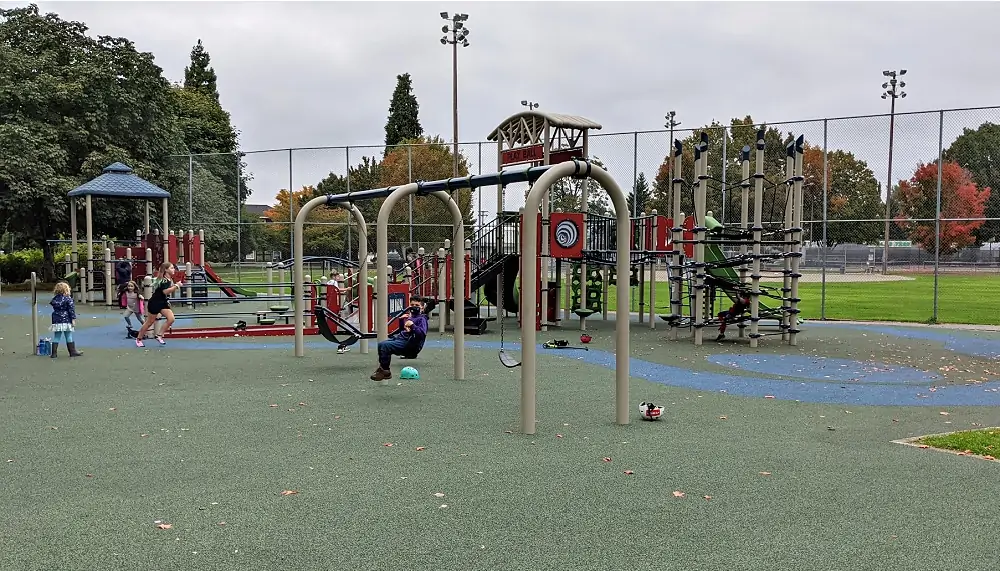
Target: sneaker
381 374
159 339
138 342
342 350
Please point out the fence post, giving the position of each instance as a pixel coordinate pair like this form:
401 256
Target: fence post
191 190
347 177
937 212
239 222
725 160
291 210
826 189
409 178
635 177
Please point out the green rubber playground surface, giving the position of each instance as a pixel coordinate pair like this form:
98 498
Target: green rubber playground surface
97 450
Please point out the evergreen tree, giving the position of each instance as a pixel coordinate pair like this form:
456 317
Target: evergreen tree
640 197
403 123
199 76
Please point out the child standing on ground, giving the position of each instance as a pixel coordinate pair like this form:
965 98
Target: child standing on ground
159 304
63 319
132 302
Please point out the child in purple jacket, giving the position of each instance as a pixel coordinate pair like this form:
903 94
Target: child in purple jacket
407 343
63 319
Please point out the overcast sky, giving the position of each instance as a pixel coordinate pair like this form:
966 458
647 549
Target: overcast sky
301 74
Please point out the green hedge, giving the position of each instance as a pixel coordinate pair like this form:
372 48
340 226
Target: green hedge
17 266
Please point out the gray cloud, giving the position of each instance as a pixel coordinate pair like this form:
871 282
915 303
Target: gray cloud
301 74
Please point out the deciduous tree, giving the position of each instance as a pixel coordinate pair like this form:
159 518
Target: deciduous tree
852 194
67 97
961 199
978 151
426 159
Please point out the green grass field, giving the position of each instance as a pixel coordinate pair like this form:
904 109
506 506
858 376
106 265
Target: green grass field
985 442
964 299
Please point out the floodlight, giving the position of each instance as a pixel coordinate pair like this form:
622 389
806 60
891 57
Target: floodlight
902 72
885 85
458 25
462 17
444 41
884 96
444 15
465 44
524 102
444 29
902 84
887 73
903 95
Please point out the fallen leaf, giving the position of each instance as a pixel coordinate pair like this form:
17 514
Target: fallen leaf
559 435
273 405
508 432
988 457
421 448
143 436
221 523
629 472
765 473
707 497
438 495
943 413
165 526
90 475
442 506
112 409
387 444
769 396
678 494
723 418
607 459
302 404
289 492
923 446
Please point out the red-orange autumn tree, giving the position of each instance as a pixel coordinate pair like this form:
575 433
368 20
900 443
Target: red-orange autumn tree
961 203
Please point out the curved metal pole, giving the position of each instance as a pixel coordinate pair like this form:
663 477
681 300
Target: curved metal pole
457 274
298 287
529 297
363 296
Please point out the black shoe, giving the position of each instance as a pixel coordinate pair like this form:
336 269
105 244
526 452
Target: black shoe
720 337
55 347
72 350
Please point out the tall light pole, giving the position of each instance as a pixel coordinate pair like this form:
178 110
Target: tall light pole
892 93
459 33
670 124
529 104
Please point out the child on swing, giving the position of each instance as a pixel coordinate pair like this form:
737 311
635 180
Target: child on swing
407 343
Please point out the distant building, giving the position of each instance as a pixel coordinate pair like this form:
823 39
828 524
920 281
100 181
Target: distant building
258 210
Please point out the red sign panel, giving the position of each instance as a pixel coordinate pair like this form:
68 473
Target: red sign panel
523 155
556 157
566 235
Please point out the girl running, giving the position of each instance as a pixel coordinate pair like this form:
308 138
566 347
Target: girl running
159 304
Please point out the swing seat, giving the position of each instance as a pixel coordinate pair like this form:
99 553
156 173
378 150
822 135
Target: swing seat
508 360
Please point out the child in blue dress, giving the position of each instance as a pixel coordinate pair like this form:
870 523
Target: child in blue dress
63 319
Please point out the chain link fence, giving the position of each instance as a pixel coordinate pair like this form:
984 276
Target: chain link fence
892 231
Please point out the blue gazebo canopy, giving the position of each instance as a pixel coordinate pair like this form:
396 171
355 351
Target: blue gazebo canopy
118 181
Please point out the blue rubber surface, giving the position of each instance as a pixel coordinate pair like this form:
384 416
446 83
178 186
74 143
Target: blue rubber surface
825 369
807 382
